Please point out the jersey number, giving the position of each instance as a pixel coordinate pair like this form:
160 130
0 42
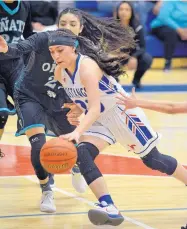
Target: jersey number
51 82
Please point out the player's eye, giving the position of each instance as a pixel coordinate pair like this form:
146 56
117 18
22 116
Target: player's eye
73 24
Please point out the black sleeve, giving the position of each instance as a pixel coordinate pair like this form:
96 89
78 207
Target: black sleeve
33 43
140 48
28 30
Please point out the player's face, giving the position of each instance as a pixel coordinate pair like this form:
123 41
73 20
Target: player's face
125 12
62 54
71 22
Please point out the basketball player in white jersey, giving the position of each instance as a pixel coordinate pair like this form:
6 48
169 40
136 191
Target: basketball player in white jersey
90 82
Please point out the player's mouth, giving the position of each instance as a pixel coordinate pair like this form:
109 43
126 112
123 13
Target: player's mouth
59 62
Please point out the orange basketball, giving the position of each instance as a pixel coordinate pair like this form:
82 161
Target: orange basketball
58 155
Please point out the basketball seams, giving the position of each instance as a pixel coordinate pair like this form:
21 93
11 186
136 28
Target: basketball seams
60 146
58 160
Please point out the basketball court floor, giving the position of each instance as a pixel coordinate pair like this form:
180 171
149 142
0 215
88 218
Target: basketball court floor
147 199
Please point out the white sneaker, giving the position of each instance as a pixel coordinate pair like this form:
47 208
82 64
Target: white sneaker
105 215
47 202
78 180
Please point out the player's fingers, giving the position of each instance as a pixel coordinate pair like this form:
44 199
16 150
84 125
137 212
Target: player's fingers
133 90
121 98
121 103
73 119
72 115
74 123
65 136
122 94
68 105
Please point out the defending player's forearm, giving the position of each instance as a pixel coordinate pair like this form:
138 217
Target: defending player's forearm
33 43
164 107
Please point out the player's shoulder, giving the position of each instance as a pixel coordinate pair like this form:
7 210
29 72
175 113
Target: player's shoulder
89 64
90 67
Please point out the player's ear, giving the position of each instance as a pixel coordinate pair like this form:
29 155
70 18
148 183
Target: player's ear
81 28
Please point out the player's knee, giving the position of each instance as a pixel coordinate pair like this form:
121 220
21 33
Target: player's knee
37 141
157 161
87 152
3 120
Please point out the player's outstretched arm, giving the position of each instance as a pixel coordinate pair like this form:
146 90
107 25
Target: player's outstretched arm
33 43
159 106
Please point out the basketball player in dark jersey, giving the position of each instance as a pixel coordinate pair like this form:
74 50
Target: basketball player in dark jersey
15 23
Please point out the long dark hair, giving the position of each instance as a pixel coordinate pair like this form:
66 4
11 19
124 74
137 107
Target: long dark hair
106 32
134 22
109 62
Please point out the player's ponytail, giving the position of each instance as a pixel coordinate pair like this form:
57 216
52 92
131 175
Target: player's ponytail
109 62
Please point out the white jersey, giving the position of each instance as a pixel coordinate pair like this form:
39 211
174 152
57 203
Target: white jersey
132 129
75 90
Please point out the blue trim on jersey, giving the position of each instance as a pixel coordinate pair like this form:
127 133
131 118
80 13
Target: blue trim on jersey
148 145
27 128
140 137
146 132
106 86
141 133
101 134
136 119
72 77
10 112
8 10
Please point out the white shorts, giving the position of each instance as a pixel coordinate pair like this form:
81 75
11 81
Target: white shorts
132 130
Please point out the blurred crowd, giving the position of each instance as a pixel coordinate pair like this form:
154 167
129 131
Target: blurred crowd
169 25
165 20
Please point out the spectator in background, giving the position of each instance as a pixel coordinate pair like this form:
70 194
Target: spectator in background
44 15
140 61
143 10
170 26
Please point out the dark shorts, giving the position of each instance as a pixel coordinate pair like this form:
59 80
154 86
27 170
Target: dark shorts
32 114
6 107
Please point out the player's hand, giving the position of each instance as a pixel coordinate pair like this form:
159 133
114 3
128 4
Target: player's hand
3 45
71 136
128 102
74 113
